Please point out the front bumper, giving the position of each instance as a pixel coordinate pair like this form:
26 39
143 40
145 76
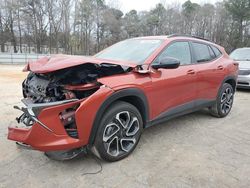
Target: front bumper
45 133
243 81
48 133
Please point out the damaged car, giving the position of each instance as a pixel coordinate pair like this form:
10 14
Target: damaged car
102 103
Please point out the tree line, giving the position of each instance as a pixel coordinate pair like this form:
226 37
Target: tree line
87 26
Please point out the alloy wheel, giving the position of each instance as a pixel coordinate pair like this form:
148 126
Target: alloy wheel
121 134
226 100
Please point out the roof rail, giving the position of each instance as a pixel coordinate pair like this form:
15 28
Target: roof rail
191 36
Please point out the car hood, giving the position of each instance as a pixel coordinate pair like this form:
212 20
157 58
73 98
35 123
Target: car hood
244 64
57 62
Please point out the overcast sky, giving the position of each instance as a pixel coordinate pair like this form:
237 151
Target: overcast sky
139 5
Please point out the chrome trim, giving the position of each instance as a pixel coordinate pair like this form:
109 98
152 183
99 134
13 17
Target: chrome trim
32 110
29 103
32 115
36 108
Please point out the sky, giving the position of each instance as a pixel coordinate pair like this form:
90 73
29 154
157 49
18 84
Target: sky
139 5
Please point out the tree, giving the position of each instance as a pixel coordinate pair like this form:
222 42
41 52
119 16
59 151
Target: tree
189 12
240 12
7 25
55 16
4 33
99 8
204 21
131 25
36 15
86 19
113 26
156 19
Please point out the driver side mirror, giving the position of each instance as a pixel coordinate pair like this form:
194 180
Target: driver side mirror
167 63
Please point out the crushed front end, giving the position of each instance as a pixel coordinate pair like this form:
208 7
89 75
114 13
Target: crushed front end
59 107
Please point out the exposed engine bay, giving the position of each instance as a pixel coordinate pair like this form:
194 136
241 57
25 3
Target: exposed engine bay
75 82
43 90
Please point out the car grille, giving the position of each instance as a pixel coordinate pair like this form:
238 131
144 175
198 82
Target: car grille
244 72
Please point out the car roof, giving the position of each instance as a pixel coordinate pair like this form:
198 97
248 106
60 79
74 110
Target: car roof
179 37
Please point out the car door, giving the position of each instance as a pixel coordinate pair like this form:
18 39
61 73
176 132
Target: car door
174 90
210 71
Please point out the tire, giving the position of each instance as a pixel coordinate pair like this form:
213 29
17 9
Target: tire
224 101
119 131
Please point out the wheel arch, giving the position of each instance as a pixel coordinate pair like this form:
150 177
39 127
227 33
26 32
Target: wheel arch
230 80
133 96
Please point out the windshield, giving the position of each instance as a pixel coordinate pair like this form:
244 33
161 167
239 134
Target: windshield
242 54
136 50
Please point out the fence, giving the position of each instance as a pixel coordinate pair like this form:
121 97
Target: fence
19 58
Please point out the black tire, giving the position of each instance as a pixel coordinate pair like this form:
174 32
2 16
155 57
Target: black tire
224 101
119 131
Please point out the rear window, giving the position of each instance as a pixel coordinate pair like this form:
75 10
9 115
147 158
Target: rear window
205 52
202 52
212 54
216 51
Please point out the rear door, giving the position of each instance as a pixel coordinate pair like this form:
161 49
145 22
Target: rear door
210 70
174 90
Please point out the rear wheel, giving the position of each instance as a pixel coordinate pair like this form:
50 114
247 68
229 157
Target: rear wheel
224 101
119 132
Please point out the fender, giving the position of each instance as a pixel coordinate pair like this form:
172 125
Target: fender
131 92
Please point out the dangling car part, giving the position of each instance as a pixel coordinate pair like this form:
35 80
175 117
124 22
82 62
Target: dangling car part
104 102
66 155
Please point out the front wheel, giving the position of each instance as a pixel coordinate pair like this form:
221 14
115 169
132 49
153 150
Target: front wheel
224 101
119 132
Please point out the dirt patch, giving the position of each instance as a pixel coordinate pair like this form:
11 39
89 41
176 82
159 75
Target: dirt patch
11 72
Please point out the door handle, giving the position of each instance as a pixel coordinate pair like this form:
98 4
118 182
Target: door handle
190 72
220 67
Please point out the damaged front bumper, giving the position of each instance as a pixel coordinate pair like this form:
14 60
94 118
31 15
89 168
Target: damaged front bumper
47 131
43 128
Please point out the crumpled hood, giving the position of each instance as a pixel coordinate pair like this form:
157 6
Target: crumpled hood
244 64
57 62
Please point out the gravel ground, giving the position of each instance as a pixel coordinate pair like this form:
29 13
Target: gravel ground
195 150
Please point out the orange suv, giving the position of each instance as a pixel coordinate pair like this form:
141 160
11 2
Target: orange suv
104 102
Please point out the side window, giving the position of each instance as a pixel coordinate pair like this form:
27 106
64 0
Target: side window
202 52
216 51
212 54
177 50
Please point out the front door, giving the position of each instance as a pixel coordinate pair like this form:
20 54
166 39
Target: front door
174 90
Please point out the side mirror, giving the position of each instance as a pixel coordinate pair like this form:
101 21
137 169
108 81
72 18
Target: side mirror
167 63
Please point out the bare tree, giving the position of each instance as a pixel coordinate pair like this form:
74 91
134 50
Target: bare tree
37 18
